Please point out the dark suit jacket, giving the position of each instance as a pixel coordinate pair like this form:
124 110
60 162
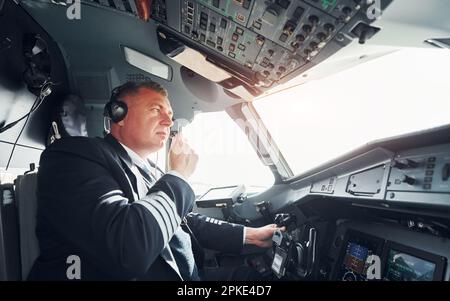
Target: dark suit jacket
86 208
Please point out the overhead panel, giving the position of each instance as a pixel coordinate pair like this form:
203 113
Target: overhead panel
270 42
260 43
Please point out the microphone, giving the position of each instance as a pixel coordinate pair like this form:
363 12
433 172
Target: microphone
175 129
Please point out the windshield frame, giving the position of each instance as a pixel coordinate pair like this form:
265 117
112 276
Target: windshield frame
261 140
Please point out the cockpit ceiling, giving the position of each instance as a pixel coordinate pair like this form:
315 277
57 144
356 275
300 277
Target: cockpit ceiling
258 44
247 47
93 51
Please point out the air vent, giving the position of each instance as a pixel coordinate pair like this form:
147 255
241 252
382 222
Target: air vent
137 77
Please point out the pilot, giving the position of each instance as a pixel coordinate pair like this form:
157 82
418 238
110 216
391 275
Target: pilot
104 215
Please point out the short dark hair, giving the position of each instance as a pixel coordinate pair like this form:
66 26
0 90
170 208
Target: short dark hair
132 88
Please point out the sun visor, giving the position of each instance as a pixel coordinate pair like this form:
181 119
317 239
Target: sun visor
197 62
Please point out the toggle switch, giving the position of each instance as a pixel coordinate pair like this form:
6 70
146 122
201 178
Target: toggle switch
408 180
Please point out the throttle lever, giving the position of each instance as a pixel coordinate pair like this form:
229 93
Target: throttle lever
284 219
306 254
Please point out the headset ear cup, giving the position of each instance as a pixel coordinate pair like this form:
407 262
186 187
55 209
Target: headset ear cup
118 110
37 62
34 79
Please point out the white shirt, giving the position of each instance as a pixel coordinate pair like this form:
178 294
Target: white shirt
145 165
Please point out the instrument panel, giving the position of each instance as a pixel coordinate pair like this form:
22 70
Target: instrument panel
419 176
365 251
378 213
270 41
359 251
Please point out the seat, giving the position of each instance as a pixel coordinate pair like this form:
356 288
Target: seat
27 209
68 119
9 235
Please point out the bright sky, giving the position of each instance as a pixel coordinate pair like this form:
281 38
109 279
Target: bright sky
403 92
225 156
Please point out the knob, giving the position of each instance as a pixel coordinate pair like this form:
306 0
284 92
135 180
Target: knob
260 76
347 10
299 38
288 29
307 29
321 36
364 35
329 27
349 276
408 180
313 19
295 45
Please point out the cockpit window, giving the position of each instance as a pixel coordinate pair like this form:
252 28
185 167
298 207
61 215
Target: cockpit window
397 94
226 157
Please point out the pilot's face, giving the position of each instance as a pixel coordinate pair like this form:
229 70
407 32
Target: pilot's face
146 126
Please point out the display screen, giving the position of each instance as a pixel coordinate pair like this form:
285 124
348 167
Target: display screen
355 257
219 193
404 267
356 251
354 266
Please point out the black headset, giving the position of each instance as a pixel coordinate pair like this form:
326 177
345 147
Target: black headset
116 109
37 62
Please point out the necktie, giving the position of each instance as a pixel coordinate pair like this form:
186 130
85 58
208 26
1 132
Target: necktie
146 177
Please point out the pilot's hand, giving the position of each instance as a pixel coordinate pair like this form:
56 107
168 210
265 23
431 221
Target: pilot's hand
262 236
182 158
